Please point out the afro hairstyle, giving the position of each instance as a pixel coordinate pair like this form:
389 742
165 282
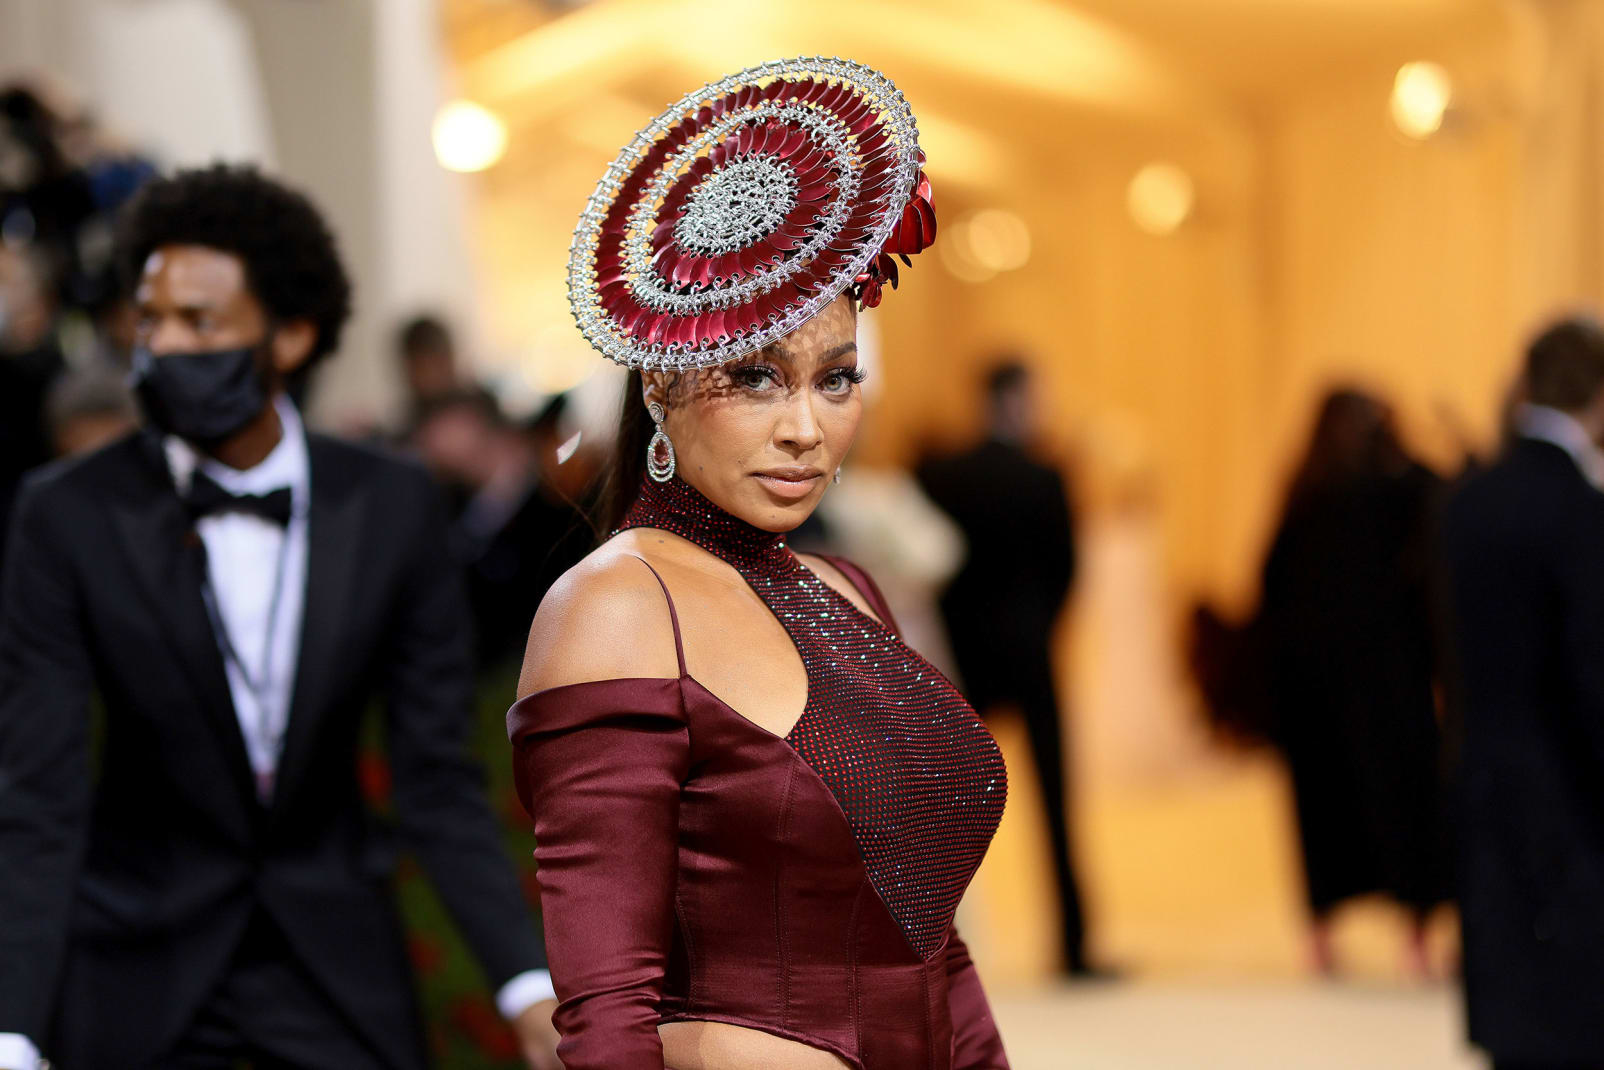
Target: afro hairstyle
291 261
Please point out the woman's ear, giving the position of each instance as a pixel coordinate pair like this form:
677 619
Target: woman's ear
654 387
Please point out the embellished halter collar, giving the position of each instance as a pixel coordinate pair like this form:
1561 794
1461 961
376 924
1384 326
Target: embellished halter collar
680 508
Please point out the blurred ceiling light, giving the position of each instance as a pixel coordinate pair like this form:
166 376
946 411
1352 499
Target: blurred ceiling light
981 245
468 137
958 258
1420 97
998 239
1160 198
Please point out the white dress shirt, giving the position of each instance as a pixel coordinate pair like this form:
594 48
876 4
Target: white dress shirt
244 555
250 562
1561 429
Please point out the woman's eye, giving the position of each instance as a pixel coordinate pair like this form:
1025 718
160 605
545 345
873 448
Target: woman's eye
841 381
754 377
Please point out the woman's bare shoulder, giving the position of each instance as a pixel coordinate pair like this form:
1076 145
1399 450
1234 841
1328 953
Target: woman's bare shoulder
604 619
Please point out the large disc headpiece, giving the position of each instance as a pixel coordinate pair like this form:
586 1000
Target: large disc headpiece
744 209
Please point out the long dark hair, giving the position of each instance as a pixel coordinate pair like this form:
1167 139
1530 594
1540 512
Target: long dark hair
1353 438
628 467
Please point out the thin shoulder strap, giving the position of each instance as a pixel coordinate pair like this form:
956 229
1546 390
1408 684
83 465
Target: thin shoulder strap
673 615
867 587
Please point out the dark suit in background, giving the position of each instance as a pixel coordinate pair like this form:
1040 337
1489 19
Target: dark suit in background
1000 611
1525 557
125 901
511 562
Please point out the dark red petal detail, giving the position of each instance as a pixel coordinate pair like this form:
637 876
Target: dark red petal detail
704 272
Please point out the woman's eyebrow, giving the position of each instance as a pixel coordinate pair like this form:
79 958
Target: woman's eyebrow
781 351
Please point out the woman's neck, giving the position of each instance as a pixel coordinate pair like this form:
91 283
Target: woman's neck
679 508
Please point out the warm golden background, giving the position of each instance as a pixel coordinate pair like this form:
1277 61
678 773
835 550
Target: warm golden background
1320 244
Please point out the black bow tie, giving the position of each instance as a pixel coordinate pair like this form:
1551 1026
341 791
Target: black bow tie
206 497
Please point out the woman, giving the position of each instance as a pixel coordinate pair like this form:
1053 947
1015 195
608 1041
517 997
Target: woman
1347 620
756 808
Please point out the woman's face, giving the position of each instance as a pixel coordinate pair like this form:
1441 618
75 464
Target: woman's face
762 436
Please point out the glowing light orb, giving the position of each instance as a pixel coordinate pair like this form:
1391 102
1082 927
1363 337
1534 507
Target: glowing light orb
468 137
1160 198
1420 97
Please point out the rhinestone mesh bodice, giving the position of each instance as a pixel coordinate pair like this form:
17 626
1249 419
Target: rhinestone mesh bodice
919 778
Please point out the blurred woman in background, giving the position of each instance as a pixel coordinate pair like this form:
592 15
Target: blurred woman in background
1346 621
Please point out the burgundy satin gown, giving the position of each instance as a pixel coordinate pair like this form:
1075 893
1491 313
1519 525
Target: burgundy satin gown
694 866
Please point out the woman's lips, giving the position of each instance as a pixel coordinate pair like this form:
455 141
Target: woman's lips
790 485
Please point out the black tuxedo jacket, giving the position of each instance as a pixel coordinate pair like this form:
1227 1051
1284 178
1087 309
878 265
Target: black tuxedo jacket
123 900
1525 557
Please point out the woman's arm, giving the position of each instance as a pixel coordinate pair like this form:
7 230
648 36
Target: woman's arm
976 1044
601 750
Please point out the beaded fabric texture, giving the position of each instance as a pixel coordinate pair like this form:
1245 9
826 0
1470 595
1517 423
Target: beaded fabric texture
919 778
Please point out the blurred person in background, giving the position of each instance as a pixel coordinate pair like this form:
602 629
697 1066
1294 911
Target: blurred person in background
517 530
88 409
44 199
429 366
60 184
1347 619
62 179
30 360
238 592
1525 562
881 518
1002 607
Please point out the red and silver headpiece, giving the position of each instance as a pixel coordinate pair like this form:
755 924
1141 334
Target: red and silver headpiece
744 209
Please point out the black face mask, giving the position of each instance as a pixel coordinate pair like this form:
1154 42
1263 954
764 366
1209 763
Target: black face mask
202 397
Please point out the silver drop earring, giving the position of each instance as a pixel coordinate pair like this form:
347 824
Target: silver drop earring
837 477
660 450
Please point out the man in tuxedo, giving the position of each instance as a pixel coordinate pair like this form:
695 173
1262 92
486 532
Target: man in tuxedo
1001 608
1525 565
237 592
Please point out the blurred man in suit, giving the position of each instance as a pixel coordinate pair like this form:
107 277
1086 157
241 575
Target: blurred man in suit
1525 560
429 365
238 592
517 531
1001 608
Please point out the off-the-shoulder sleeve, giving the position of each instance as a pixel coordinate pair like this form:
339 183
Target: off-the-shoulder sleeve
976 1044
599 766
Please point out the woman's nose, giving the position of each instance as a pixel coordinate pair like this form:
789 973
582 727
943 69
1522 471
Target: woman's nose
799 426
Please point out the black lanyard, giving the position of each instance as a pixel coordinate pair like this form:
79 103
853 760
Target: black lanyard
260 686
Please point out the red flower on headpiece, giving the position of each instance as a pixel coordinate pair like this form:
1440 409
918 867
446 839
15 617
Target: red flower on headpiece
745 209
915 233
